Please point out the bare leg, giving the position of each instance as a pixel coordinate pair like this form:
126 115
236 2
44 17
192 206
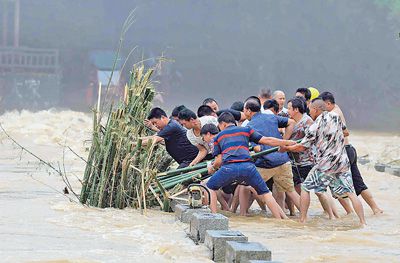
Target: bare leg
235 199
294 196
333 206
244 196
227 197
280 199
290 205
346 205
298 188
324 200
222 201
304 205
258 199
276 210
367 196
357 207
213 201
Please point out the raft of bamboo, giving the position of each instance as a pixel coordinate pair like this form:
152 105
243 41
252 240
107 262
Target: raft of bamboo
119 173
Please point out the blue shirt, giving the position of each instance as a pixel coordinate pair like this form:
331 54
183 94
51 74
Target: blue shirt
176 142
267 125
233 144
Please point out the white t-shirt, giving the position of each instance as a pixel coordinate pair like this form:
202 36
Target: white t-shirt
198 140
267 111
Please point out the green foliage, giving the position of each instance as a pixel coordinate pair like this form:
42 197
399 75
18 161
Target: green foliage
118 172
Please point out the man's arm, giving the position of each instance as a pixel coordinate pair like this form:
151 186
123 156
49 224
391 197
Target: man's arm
149 139
289 129
271 141
200 156
215 165
149 125
293 148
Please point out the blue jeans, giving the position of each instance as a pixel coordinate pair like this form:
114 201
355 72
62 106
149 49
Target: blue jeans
238 172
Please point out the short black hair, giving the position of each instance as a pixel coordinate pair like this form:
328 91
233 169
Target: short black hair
327 96
253 98
304 102
209 100
306 92
238 105
298 103
186 115
204 110
253 105
156 113
271 104
265 93
177 109
226 117
209 128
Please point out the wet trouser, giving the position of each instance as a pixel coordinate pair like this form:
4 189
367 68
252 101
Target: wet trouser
358 181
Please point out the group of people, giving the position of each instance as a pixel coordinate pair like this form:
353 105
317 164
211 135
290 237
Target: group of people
314 152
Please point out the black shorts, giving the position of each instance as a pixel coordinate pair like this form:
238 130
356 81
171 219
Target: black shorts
300 173
358 181
270 183
230 189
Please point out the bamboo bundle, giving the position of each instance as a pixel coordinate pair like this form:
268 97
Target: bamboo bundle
119 173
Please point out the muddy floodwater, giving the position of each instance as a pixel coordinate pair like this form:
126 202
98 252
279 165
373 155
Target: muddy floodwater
38 224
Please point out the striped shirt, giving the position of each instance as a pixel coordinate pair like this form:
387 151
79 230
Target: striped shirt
233 144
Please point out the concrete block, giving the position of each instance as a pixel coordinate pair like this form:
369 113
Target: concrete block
240 252
184 212
395 170
201 222
363 160
215 240
380 167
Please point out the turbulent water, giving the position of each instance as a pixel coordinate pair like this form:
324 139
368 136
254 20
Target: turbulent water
38 224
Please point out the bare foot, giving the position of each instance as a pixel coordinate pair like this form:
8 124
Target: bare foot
302 220
377 211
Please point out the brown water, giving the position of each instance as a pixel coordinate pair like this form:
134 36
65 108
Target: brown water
39 225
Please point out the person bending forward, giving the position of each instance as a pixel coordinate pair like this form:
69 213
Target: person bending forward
231 149
332 167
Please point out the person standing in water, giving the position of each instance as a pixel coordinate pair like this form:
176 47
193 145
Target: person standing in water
275 165
359 185
233 162
332 166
